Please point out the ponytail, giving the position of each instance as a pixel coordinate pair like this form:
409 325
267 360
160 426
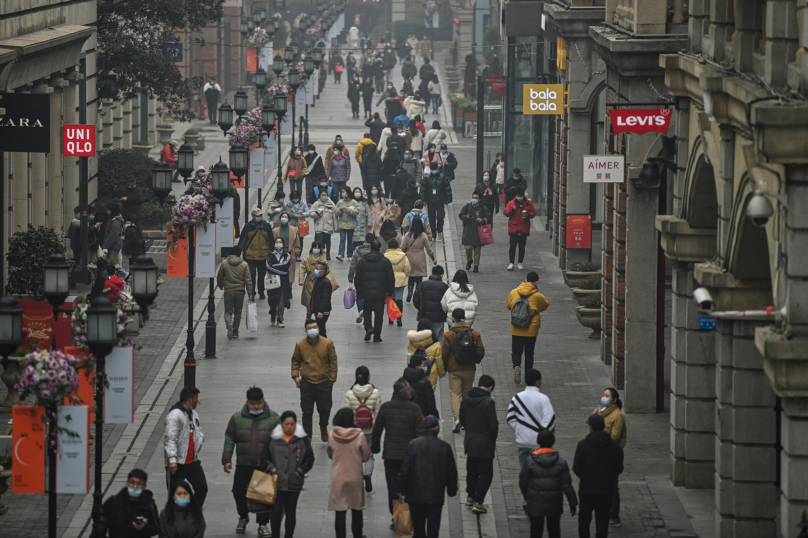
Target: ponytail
616 398
362 376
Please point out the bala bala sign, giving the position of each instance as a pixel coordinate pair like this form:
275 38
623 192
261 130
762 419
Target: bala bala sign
641 121
25 127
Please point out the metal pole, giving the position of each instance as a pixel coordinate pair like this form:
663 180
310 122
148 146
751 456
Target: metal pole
294 103
210 325
279 179
84 171
98 493
307 126
190 361
480 128
51 409
247 195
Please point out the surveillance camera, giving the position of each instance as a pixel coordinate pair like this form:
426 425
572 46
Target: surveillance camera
759 210
703 299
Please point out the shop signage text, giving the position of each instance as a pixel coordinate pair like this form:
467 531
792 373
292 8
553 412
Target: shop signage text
641 120
543 99
604 168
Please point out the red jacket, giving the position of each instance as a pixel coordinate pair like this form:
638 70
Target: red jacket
517 224
421 128
113 288
167 155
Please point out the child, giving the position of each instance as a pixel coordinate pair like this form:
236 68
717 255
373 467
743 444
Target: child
113 285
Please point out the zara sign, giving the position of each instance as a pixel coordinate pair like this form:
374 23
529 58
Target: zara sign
25 127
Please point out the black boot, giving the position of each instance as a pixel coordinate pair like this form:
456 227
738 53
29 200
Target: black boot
400 305
409 292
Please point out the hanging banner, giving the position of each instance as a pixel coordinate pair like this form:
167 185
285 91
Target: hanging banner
286 127
224 224
39 327
205 262
269 152
177 258
85 394
310 90
28 442
579 231
316 82
641 120
543 99
252 59
119 397
265 57
300 100
604 168
257 168
73 458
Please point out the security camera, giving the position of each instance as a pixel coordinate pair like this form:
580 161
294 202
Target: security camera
703 299
759 209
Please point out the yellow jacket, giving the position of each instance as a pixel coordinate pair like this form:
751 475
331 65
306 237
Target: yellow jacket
615 424
538 303
401 265
433 350
360 146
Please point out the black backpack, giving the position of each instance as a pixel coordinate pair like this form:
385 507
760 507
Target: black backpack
366 151
465 348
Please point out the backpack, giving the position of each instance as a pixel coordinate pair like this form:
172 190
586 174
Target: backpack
366 151
521 315
363 414
465 348
411 216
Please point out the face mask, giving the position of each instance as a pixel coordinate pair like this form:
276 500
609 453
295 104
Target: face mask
196 188
475 201
520 198
134 492
182 503
374 192
443 152
313 333
278 247
259 218
431 151
486 179
517 178
323 199
259 411
357 195
323 185
284 221
433 172
297 153
425 369
280 202
92 217
132 186
389 87
315 251
343 195
200 175
605 402
406 157
402 133
78 215
296 201
316 272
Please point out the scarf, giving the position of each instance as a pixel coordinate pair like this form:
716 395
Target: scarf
487 191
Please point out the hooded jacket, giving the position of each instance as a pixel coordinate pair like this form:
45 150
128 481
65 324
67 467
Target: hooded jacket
428 297
375 126
433 351
257 238
429 471
179 423
321 295
359 253
598 461
327 222
249 435
478 414
438 189
449 342
544 480
408 70
469 215
113 286
400 421
332 150
360 148
517 223
455 298
112 239
291 460
538 303
401 265
118 513
511 184
374 279
348 450
234 275
369 395
424 395
414 107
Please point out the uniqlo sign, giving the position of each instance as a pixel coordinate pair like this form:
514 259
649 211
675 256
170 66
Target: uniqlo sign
604 168
78 140
641 120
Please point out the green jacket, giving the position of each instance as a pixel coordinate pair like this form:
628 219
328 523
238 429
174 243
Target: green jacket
346 220
250 436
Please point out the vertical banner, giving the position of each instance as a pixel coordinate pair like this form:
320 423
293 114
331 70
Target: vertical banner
269 152
257 168
205 251
579 231
119 398
224 224
177 259
252 59
316 84
286 127
28 442
300 99
310 90
265 57
73 463
85 394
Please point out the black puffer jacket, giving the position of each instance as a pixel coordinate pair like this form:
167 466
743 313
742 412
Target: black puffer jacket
429 471
376 127
375 279
543 480
321 295
598 461
442 187
427 299
478 414
118 513
424 396
407 198
372 167
400 420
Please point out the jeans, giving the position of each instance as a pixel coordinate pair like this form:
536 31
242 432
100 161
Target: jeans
425 519
278 303
601 505
553 526
321 324
340 518
460 381
258 268
325 240
194 474
233 305
241 481
360 304
435 99
399 294
311 394
524 454
473 254
518 343
391 470
346 242
285 504
437 328
436 212
479 474
519 240
371 463
374 308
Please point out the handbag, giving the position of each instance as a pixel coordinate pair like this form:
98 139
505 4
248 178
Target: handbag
402 519
502 197
392 309
303 228
486 234
252 318
349 299
272 281
100 252
339 68
263 487
334 284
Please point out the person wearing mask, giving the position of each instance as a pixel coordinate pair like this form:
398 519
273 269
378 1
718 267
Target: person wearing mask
348 450
182 516
409 194
113 285
461 295
359 253
390 61
404 139
544 481
389 131
378 70
279 265
337 166
234 278
292 241
339 67
92 234
367 91
448 162
378 209
212 91
130 513
376 125
362 218
347 210
436 135
401 268
434 93
290 457
430 156
354 84
167 155
371 168
390 167
598 463
478 415
320 302
416 246
416 375
427 69
393 108
488 195
375 281
399 184
520 212
295 170
417 212
362 149
113 237
182 442
500 175
365 401
427 299
414 105
424 338
314 371
463 350
315 174
611 410
248 433
298 211
132 202
493 171
408 69
255 242
512 183
525 303
473 215
421 129
438 191
309 262
529 412
276 206
324 214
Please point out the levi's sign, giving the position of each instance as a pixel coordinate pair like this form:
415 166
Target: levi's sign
543 99
78 140
641 120
603 168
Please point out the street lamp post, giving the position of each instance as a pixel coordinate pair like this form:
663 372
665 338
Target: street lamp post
317 56
239 165
308 68
279 100
294 83
260 82
220 188
186 168
268 124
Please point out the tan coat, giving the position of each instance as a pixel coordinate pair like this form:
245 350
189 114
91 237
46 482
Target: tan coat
294 248
348 450
615 424
307 266
234 275
316 363
401 265
414 248
449 341
377 212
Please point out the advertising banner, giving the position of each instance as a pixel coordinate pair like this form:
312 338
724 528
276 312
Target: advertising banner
269 152
205 260
257 168
543 99
310 90
224 224
85 394
119 396
579 231
177 258
39 328
25 126
315 77
604 168
28 442
236 182
640 120
73 458
265 57
300 99
252 59
286 127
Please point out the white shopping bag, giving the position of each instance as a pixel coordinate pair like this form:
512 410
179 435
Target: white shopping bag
252 317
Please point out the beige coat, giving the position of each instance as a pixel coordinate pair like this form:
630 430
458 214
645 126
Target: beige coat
294 248
348 450
377 212
415 253
307 266
370 395
401 265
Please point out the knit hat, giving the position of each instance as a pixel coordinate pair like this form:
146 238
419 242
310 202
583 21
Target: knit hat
596 422
430 423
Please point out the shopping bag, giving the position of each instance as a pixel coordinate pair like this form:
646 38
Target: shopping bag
252 317
262 487
402 520
486 234
502 197
339 68
254 507
100 253
272 282
303 228
349 299
394 214
392 309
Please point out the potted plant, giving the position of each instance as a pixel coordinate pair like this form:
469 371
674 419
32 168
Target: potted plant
192 137
5 473
142 147
588 315
166 132
579 271
589 287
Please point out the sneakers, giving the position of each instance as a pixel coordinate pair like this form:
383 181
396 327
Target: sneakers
468 265
242 525
340 257
478 508
361 317
469 501
235 333
456 427
367 335
272 320
368 483
324 434
520 266
615 523
476 269
263 530
517 374
229 332
281 325
510 267
440 237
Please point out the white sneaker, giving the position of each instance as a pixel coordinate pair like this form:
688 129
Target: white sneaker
456 426
510 267
520 266
361 317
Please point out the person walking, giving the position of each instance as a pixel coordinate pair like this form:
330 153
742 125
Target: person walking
426 49
133 243
354 85
448 162
461 295
348 451
598 462
130 513
234 278
279 265
378 209
434 93
401 268
113 239
416 246
132 202
375 281
359 253
288 231
463 350
182 516
473 215
415 106
436 135
347 210
277 205
478 415
400 420
520 212
314 371
525 303
375 124
427 299
306 273
409 194
289 457
365 401
367 91
390 165
416 212
530 412
248 433
339 67
167 155
424 339
544 481
315 173
212 91
324 214
516 180
255 242
362 219
337 166
615 425
488 194
295 170
416 375
428 474
320 303
182 442
438 194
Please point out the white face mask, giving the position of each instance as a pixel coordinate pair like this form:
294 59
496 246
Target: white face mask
357 195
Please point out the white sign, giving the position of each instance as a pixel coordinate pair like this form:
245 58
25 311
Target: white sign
269 152
286 126
224 224
604 168
265 57
316 81
310 90
257 168
300 102
205 252
119 396
73 469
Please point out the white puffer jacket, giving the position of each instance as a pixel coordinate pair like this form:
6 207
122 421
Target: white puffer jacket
360 392
454 298
179 423
327 222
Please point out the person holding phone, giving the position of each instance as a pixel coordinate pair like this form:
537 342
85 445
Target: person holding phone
131 513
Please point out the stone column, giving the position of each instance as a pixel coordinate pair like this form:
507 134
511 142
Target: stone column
117 123
59 216
71 165
153 138
126 125
107 121
793 462
21 181
39 172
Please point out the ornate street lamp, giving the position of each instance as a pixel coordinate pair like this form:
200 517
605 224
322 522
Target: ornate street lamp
225 117
240 103
238 159
308 65
244 27
220 180
161 180
263 11
268 118
185 160
277 64
288 54
295 48
10 330
317 54
256 17
144 283
260 82
56 286
294 78
250 26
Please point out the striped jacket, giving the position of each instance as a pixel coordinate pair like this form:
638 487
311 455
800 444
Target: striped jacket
529 412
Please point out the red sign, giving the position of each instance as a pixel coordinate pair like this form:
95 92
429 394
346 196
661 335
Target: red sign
78 140
85 395
579 231
641 120
177 259
28 447
39 327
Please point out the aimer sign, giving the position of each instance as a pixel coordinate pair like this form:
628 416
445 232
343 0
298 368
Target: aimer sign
78 140
543 99
604 168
